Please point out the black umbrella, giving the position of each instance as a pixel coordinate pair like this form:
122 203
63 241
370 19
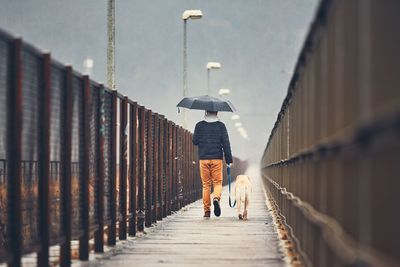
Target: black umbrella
206 102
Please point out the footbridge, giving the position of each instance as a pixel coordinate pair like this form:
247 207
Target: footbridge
89 177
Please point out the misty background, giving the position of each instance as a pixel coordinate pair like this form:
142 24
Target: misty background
256 41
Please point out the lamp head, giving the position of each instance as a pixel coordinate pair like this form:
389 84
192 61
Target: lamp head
224 91
235 117
213 65
192 14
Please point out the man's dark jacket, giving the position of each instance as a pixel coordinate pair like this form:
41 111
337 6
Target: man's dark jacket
212 140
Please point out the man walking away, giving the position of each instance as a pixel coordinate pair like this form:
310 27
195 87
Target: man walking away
211 137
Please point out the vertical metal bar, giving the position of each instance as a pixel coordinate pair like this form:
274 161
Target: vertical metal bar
44 164
112 231
174 161
133 158
84 239
149 169
177 165
178 182
189 163
185 169
141 163
181 143
172 166
179 168
123 166
65 258
156 171
191 169
99 234
195 171
14 154
188 191
168 163
65 250
175 169
161 179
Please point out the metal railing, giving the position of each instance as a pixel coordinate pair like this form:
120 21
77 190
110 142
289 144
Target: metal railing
331 165
79 161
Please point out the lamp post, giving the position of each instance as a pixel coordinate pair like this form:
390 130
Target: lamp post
111 44
210 66
187 14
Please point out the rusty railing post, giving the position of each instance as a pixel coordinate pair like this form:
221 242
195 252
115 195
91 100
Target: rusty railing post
65 258
149 169
84 238
123 167
141 168
155 168
169 162
133 158
161 168
14 155
44 159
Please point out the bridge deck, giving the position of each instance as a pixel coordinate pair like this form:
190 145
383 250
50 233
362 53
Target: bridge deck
186 239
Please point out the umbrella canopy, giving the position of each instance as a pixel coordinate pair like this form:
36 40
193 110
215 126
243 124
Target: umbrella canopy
206 102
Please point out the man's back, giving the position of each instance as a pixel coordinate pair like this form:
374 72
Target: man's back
212 140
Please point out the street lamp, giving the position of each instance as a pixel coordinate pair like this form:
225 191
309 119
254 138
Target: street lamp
224 92
235 117
211 65
287 72
187 14
88 66
238 124
243 132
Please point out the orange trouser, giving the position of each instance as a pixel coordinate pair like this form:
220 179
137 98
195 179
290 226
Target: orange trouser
211 174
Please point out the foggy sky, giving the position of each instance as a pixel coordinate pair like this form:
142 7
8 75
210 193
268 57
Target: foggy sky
256 41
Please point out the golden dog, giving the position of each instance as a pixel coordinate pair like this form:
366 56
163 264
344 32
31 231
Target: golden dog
242 195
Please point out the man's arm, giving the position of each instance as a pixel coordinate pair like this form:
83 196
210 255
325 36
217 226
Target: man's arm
226 145
195 139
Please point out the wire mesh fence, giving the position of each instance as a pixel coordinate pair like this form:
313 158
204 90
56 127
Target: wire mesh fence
79 162
331 165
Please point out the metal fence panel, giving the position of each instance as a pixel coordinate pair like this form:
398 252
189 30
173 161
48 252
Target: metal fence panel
32 82
77 151
68 144
4 85
57 122
331 160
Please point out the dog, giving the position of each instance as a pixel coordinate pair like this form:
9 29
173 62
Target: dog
243 188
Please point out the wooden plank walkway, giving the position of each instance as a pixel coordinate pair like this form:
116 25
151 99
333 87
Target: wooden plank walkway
186 239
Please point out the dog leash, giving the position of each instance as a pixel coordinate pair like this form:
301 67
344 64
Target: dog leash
229 182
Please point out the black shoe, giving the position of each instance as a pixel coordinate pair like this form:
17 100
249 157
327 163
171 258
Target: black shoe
217 208
206 214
